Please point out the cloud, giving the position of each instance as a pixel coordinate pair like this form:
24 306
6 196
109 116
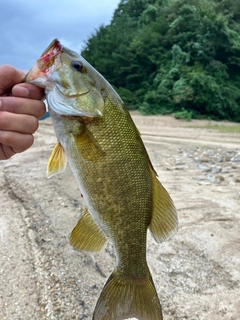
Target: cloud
27 27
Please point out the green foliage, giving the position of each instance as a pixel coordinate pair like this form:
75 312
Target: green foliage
184 114
128 97
173 56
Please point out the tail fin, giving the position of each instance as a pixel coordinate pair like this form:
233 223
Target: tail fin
124 298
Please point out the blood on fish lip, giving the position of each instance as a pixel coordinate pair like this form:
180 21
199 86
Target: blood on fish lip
47 59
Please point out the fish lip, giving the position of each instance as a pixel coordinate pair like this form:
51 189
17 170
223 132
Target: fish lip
54 45
43 65
48 57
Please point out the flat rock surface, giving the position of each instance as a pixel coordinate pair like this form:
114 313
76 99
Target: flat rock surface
196 273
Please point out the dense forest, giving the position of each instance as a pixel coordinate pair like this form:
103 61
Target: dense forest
172 56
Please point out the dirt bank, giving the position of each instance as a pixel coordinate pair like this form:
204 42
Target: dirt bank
197 272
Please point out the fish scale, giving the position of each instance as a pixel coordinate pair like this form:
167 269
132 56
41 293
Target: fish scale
123 196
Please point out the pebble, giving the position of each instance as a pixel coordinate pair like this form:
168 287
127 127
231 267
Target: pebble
219 177
214 165
204 168
225 170
215 170
235 159
181 167
204 159
199 178
210 177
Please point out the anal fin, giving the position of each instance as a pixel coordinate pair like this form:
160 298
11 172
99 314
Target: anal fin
164 219
87 235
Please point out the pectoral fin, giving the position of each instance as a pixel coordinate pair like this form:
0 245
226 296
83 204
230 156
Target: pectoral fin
87 235
57 161
164 220
90 148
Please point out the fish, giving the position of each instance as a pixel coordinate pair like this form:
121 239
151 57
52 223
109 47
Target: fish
124 198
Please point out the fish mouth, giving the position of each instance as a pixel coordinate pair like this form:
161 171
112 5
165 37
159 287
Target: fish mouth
44 63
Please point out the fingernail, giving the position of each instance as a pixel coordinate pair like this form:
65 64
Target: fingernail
20 91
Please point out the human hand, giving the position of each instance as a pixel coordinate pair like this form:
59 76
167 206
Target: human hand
20 108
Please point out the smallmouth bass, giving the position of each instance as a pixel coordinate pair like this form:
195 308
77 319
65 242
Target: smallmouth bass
99 140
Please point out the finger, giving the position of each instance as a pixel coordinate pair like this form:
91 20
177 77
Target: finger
16 105
6 152
27 90
13 142
18 122
9 76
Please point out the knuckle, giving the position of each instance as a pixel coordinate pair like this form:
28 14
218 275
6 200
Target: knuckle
25 143
41 109
34 92
3 119
6 137
34 124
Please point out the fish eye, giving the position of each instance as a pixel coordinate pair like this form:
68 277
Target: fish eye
77 65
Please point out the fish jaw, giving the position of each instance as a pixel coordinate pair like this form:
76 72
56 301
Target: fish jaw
36 77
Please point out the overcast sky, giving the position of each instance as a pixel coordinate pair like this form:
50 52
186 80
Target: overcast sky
28 26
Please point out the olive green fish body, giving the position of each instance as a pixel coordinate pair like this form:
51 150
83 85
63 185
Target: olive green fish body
108 159
115 181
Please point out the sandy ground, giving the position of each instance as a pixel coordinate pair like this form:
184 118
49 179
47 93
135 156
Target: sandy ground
196 273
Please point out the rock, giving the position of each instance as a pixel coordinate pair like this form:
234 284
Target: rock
235 159
180 163
215 170
204 168
204 159
219 177
181 167
199 178
210 178
226 170
227 158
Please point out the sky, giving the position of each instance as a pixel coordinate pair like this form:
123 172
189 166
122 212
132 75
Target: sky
28 26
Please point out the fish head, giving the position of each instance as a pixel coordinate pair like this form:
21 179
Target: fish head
72 86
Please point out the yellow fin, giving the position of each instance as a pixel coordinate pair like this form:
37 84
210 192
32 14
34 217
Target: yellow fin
57 161
87 235
90 148
164 219
124 297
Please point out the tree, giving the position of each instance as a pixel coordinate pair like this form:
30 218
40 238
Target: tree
168 56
